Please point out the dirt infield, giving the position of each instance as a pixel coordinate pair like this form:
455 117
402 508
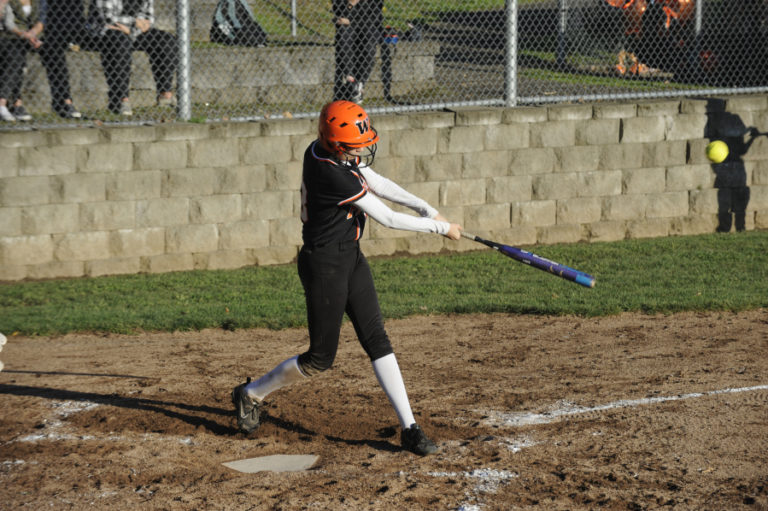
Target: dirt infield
552 413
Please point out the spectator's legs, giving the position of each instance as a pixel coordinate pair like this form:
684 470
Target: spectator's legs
366 41
116 49
6 78
13 54
15 97
15 104
162 50
343 57
54 58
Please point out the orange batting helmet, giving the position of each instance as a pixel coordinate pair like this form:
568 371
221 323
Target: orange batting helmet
343 126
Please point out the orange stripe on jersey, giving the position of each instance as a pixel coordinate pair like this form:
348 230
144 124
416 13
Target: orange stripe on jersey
359 195
353 199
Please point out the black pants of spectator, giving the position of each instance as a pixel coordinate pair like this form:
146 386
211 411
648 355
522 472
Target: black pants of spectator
13 57
355 56
116 59
53 54
337 279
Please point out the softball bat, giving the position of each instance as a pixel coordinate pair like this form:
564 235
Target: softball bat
537 261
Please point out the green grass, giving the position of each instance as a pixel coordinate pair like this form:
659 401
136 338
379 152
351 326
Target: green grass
315 17
665 275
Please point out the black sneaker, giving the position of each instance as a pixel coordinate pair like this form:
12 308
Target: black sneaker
414 440
68 111
246 409
20 113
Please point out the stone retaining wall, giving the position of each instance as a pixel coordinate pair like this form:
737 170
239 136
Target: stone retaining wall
123 200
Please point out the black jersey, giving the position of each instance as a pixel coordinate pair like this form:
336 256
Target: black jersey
328 190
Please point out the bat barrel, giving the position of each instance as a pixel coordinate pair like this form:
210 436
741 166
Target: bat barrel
538 262
542 263
585 280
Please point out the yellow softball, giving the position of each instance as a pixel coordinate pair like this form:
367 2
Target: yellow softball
717 151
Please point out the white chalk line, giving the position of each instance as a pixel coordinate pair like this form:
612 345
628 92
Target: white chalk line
516 419
489 480
56 429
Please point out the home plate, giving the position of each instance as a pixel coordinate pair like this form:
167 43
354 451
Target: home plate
275 463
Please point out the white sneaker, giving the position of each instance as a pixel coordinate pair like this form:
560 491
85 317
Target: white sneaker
6 114
125 109
357 96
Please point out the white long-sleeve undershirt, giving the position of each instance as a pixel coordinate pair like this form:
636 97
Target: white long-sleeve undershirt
379 186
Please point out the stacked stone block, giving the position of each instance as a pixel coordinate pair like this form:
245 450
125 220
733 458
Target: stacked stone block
148 199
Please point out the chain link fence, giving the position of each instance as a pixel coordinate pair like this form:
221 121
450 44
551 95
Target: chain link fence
202 60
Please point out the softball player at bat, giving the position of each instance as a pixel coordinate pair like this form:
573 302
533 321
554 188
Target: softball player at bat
339 191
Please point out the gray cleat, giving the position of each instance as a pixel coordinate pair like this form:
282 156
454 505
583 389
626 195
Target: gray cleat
246 409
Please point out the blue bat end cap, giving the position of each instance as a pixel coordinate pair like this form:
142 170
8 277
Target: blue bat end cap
585 280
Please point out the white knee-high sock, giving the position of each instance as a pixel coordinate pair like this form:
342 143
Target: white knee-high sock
391 380
286 373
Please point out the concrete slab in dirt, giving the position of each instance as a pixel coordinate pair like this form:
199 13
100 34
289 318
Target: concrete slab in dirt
275 463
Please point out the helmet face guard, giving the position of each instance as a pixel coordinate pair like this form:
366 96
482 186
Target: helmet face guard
344 128
365 156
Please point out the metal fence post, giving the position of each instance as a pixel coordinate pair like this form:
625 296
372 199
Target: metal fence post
562 27
695 50
182 36
699 9
510 67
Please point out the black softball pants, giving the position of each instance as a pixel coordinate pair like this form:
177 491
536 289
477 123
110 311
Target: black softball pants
338 280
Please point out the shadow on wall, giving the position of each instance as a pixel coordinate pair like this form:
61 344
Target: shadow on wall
730 175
